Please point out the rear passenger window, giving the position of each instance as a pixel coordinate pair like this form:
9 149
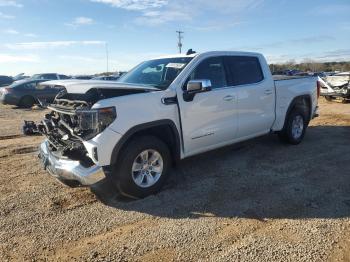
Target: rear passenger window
63 77
212 69
50 76
243 70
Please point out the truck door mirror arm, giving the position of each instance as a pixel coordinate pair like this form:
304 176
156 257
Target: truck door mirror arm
196 86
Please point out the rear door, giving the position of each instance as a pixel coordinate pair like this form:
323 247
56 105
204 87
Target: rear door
255 95
210 120
63 77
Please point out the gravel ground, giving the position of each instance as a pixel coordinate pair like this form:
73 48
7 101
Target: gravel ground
256 201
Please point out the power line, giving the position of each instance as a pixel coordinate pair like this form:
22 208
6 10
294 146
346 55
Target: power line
180 37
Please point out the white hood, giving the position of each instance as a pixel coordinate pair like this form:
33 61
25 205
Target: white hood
82 86
337 80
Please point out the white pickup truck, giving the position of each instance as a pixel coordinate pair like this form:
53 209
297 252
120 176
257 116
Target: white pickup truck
164 110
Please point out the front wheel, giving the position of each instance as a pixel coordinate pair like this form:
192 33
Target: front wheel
142 168
295 127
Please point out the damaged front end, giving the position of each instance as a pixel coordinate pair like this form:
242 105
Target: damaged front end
76 129
335 87
70 123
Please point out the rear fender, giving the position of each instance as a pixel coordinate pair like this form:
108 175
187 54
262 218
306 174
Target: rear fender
303 101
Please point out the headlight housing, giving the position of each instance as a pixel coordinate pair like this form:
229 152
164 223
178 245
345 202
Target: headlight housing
96 120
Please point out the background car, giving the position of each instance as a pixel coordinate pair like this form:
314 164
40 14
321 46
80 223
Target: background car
5 80
20 76
107 78
83 77
320 74
26 93
49 76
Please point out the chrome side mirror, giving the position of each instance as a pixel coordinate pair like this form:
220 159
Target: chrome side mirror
194 87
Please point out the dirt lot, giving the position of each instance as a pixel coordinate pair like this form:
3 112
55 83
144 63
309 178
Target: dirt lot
256 201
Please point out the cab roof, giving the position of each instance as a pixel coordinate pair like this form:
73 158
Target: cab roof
237 53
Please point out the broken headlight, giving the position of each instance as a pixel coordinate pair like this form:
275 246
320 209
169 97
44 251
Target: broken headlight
96 119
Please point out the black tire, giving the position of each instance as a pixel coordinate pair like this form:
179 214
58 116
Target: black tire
27 101
329 98
287 135
122 171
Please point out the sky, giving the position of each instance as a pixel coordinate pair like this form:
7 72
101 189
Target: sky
72 36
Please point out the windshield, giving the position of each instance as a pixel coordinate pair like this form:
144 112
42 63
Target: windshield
159 73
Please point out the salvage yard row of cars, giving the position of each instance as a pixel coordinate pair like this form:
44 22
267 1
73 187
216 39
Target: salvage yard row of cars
334 85
26 92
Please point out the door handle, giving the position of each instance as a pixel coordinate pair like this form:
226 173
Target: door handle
229 98
268 92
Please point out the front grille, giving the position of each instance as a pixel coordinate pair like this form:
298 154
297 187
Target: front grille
70 105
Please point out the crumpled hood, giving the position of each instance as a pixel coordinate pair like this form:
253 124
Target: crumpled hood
83 86
337 81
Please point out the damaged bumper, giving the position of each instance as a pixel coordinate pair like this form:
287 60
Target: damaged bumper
69 171
337 94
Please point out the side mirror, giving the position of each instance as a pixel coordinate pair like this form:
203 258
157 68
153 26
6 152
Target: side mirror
196 86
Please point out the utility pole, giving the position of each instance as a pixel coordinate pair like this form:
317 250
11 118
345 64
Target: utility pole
180 37
107 57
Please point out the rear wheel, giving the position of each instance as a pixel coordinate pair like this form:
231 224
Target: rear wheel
27 102
142 168
295 127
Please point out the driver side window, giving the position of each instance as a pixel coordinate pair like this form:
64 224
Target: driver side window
212 69
152 74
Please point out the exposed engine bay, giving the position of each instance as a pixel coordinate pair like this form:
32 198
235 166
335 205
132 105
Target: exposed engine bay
73 121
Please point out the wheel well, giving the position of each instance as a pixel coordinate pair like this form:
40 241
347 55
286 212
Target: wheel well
27 97
166 132
303 102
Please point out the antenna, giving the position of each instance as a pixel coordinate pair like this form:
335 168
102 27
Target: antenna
180 37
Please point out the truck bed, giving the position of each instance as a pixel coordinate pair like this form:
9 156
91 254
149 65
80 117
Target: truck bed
284 77
288 88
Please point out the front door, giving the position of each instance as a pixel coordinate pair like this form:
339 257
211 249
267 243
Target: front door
211 119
